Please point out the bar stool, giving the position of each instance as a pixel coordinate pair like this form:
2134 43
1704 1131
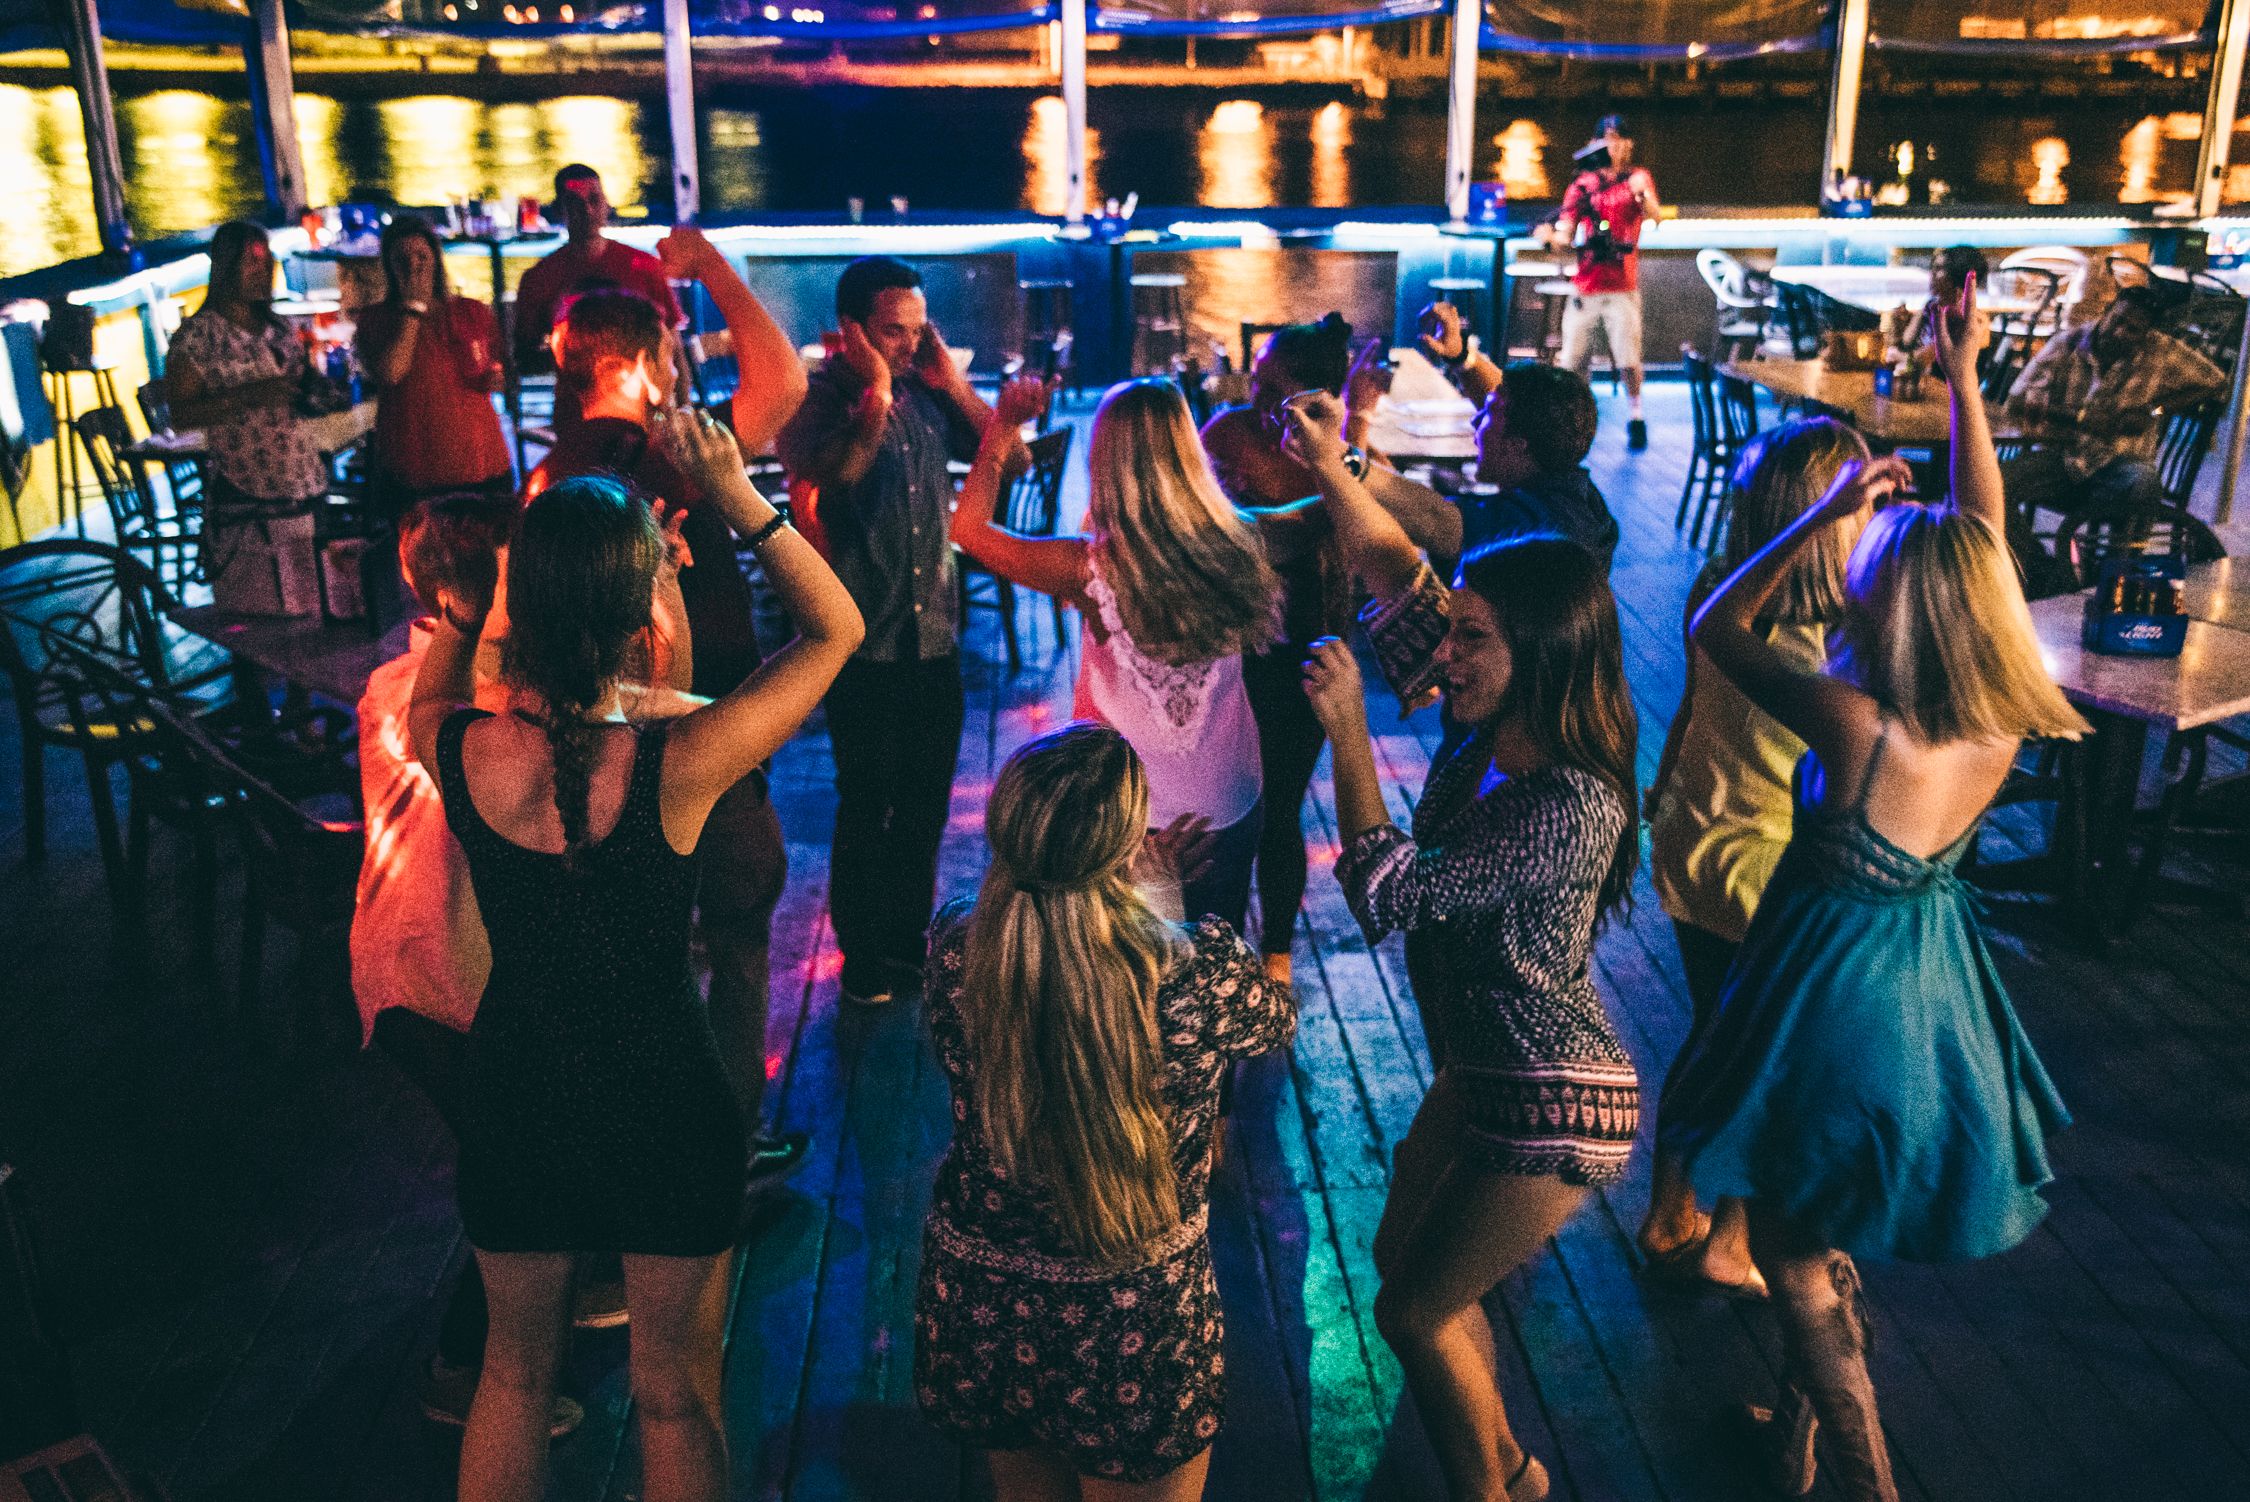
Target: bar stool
1467 294
66 350
1160 342
1050 328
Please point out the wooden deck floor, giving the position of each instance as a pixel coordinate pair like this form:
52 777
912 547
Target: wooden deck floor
245 1237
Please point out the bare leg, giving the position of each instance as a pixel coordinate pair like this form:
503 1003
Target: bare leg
1182 1485
1442 1250
1726 1252
679 1312
1825 1339
504 1447
1673 1221
1031 1476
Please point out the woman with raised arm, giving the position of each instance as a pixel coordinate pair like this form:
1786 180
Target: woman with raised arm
1068 1322
1523 840
1173 585
1865 1085
600 1116
1719 809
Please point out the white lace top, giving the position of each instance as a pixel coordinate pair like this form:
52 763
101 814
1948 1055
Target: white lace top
1191 725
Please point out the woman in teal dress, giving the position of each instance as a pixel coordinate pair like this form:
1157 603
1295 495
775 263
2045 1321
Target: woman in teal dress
1865 1085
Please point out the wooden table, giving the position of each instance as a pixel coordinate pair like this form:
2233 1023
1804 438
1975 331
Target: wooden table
331 434
1879 289
332 658
1422 417
1891 422
2123 699
2220 593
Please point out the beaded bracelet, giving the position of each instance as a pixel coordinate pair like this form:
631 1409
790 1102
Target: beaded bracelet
758 538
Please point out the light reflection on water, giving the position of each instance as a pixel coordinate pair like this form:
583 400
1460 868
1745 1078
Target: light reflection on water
191 159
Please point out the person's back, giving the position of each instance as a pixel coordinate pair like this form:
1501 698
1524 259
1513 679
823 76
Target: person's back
1566 502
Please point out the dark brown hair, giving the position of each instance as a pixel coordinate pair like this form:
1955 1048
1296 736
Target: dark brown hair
1316 355
1552 410
607 323
580 579
453 543
1566 683
401 229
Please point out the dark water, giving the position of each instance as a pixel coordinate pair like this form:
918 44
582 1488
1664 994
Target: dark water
191 160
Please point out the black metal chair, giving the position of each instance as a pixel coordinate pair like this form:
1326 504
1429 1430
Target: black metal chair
171 543
1033 509
183 477
2183 446
1711 460
1796 316
2014 334
104 601
1254 338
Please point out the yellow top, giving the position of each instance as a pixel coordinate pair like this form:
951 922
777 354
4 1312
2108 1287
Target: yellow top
1724 813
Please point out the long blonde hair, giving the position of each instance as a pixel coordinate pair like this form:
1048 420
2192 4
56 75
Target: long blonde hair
1935 628
1190 576
1783 473
1059 984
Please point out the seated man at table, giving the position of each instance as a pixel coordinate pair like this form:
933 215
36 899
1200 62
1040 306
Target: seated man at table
2089 409
1533 434
587 260
614 349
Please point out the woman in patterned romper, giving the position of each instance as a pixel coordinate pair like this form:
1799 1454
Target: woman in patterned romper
1522 841
1067 1320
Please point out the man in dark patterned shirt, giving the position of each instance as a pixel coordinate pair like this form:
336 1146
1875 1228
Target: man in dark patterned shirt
2090 406
882 417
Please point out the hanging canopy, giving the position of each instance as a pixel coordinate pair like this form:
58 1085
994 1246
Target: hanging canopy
1251 17
1653 30
2032 28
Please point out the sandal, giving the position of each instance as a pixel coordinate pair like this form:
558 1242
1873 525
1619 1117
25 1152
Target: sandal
1530 1482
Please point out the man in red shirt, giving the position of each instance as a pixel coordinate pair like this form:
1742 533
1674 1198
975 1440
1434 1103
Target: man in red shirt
1602 213
587 260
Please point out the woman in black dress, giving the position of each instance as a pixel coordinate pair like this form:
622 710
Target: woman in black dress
1068 1321
600 1118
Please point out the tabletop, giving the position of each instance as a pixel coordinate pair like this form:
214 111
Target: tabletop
332 658
2220 592
1878 289
1852 392
2209 681
1422 416
332 434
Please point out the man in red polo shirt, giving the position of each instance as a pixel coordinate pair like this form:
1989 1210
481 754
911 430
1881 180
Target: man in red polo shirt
1602 213
588 260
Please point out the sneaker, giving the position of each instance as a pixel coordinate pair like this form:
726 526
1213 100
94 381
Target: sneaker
598 1305
447 1391
774 1157
1636 434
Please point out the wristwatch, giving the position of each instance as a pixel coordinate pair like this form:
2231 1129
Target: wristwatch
1355 460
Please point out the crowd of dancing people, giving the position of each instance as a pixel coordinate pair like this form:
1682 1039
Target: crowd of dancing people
567 805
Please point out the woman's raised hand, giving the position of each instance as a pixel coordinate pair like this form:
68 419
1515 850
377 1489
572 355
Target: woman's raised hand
1863 483
701 446
1440 333
1021 400
1332 683
1960 333
1369 378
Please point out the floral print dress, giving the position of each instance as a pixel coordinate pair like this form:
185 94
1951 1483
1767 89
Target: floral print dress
1019 1343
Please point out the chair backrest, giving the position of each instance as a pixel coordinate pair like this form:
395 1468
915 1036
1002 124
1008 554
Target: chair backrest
2184 444
1703 397
91 594
2069 264
2038 286
1738 409
1800 316
104 434
1035 505
1253 335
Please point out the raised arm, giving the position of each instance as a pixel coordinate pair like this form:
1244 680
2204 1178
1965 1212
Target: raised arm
1821 709
772 383
1445 340
1959 333
713 748
1374 545
933 362
1052 565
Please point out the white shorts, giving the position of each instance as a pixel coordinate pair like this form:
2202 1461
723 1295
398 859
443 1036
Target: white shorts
1616 314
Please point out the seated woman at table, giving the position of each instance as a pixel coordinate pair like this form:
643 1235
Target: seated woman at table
1865 1085
601 1118
434 356
1246 454
1951 269
1719 807
1174 587
238 372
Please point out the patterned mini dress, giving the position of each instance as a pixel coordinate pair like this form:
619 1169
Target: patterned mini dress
1019 1343
1497 890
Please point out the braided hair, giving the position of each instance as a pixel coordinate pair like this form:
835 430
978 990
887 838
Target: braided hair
580 579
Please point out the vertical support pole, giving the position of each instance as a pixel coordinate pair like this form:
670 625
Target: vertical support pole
1461 109
2219 107
1843 89
679 104
2238 428
89 73
1074 110
273 105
